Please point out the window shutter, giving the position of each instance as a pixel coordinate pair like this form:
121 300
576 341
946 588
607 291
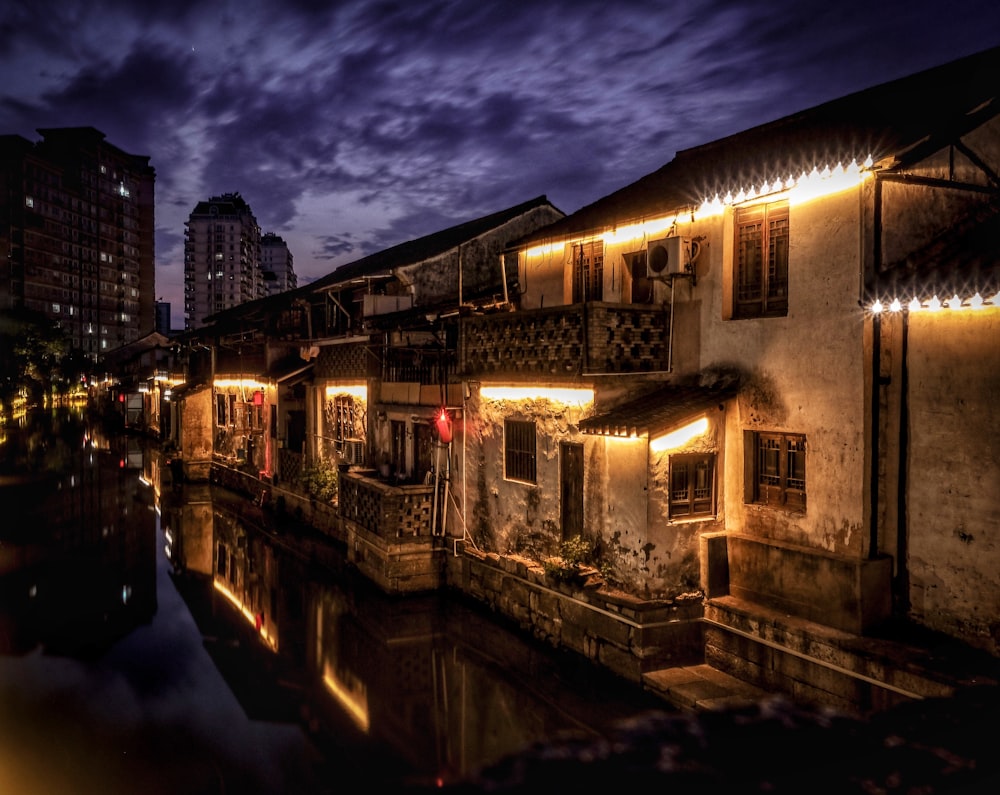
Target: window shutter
749 466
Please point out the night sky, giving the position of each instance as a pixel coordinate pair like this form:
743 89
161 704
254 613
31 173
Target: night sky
352 126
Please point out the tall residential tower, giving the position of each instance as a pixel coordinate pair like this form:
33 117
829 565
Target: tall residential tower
221 258
77 236
276 265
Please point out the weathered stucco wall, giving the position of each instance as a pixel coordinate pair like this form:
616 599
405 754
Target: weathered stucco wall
804 374
506 515
953 521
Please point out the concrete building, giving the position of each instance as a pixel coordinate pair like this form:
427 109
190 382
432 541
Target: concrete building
163 317
276 264
221 258
77 218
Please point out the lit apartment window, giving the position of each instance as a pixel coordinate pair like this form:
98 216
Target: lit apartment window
29 201
760 261
519 450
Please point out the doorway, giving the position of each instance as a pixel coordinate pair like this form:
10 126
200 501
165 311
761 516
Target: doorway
571 489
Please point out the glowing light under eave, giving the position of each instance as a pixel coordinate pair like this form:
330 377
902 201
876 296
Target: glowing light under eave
935 304
245 383
557 394
359 391
679 437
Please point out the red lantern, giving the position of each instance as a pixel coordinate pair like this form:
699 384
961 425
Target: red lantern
443 423
258 398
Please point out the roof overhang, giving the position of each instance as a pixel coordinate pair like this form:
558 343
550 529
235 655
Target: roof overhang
659 411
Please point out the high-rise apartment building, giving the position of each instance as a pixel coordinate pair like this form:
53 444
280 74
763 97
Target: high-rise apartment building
221 258
77 236
276 265
163 318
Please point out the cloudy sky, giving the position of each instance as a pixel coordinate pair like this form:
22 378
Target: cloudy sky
354 125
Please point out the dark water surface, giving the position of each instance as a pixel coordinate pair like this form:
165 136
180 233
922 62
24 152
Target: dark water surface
159 638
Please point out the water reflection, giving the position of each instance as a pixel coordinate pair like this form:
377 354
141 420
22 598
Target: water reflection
209 645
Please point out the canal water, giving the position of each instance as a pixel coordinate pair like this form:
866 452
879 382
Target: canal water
174 638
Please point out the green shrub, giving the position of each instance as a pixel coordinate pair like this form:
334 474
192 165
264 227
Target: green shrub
574 553
319 481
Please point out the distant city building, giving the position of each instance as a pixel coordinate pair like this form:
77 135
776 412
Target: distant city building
221 258
276 265
163 317
76 232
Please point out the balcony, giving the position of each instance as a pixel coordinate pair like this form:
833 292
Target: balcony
578 339
383 509
388 533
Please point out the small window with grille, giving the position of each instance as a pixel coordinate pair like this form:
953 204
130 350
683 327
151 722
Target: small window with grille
776 469
588 272
692 485
760 261
519 450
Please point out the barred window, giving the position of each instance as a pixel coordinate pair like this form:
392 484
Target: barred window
776 469
519 450
760 277
692 485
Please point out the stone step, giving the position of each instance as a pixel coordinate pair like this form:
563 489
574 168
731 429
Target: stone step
701 687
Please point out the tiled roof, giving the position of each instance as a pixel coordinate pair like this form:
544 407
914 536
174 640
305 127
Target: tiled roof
415 251
904 119
376 265
667 407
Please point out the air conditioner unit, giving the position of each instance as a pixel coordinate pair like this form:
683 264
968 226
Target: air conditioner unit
669 255
354 451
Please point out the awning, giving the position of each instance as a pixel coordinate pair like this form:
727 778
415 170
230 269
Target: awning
658 411
287 371
181 391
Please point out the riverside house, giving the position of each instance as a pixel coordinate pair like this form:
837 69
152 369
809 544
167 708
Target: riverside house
749 399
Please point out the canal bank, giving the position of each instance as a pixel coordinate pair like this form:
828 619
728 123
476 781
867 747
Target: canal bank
696 653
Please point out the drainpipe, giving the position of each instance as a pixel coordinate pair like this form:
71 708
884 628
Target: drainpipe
875 399
437 478
902 584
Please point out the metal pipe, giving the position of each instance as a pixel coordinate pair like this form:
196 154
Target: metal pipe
873 474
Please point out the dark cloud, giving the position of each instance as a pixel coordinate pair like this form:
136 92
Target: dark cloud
354 125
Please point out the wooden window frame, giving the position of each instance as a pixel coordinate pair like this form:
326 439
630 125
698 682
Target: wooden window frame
686 498
588 271
520 450
775 467
760 261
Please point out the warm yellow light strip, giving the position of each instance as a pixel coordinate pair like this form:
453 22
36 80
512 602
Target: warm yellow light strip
359 391
245 383
354 706
265 636
807 186
557 394
935 304
679 437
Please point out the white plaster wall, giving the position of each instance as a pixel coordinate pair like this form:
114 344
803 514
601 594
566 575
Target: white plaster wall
805 374
954 473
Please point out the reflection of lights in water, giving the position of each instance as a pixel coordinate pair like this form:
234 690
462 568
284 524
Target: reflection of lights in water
262 631
356 704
